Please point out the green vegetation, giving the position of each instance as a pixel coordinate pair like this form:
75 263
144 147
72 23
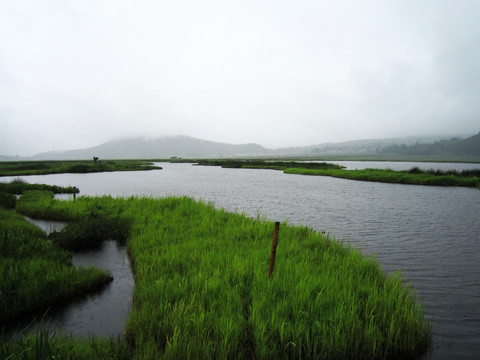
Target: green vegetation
202 288
35 274
18 186
45 344
469 178
16 168
91 229
7 200
37 204
265 164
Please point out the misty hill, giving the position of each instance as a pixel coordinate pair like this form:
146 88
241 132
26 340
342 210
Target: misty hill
159 148
368 146
455 146
189 147
11 158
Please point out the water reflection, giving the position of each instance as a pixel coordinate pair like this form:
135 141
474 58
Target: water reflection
48 226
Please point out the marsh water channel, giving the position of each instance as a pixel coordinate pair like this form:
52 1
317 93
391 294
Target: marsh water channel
430 234
102 313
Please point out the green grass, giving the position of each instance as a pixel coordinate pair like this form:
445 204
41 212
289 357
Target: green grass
468 178
18 187
38 204
202 288
16 168
46 344
415 176
203 276
7 200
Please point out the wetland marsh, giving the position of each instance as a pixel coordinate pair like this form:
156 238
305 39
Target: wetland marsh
408 228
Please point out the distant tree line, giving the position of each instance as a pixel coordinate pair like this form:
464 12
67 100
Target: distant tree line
454 146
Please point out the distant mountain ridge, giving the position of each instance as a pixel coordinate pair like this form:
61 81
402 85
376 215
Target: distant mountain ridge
189 147
159 148
454 146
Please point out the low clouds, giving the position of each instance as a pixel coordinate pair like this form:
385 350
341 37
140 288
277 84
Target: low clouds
75 74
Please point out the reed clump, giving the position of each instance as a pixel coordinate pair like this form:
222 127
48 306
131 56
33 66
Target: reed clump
90 230
19 186
7 200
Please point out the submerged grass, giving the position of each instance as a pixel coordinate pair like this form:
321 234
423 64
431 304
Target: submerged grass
202 288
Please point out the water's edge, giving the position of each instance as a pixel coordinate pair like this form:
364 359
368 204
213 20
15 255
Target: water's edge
102 313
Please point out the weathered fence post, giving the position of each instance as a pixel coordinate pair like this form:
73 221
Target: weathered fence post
274 248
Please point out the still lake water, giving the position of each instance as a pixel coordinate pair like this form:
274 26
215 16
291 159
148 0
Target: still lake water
430 234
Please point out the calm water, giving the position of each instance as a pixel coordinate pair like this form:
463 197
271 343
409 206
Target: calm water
401 165
431 234
105 312
47 226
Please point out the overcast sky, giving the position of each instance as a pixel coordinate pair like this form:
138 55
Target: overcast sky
75 74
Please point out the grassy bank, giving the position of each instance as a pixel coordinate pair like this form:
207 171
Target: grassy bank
415 176
17 168
89 223
18 187
202 288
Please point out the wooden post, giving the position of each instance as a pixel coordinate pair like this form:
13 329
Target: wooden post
274 248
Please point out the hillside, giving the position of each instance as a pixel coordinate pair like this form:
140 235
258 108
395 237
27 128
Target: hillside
413 148
159 148
453 147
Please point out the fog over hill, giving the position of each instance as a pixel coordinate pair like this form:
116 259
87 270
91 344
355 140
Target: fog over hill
158 148
189 147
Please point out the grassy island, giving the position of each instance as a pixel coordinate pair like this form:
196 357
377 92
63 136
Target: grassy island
414 176
202 289
17 168
266 164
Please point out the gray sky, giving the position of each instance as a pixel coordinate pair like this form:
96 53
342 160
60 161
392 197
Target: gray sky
279 73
